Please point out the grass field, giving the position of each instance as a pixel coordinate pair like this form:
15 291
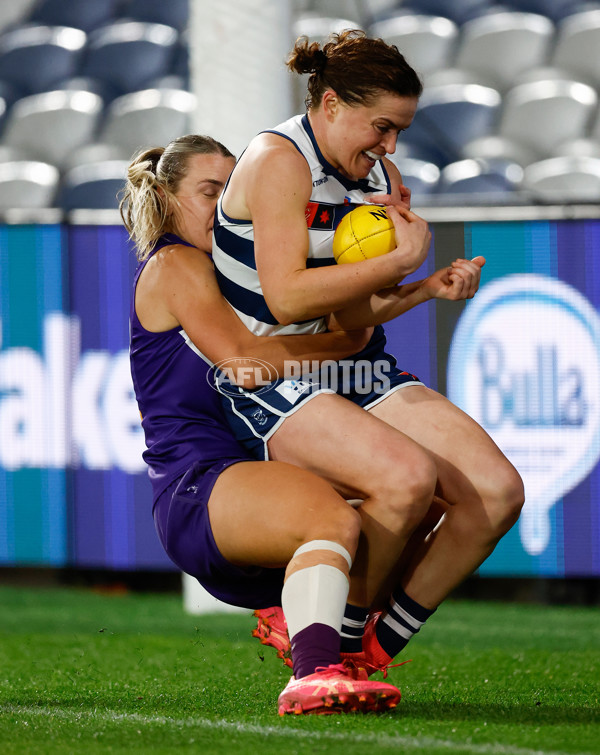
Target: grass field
82 672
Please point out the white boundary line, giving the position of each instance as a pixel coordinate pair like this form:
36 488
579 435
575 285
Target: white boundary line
428 744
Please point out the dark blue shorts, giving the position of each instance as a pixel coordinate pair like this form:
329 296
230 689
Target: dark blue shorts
183 527
255 416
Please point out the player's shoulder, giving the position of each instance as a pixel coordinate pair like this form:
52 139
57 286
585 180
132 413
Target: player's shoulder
274 148
176 259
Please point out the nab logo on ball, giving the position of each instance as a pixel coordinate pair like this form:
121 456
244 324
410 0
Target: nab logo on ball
525 363
363 233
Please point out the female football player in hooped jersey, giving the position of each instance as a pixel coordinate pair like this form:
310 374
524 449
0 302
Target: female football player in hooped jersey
272 248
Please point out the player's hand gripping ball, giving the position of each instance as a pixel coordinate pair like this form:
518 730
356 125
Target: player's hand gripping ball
363 233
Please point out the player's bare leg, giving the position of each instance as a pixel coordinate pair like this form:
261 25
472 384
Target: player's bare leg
484 491
363 458
273 514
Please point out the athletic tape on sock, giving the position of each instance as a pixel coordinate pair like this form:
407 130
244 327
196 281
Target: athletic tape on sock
315 595
325 545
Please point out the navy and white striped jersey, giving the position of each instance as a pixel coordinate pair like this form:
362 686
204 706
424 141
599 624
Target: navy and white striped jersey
333 195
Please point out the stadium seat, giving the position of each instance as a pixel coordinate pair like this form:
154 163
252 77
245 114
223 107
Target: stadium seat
127 55
13 14
318 28
496 147
578 148
564 179
543 114
502 45
450 116
10 154
498 180
51 124
88 84
554 9
34 58
578 45
148 118
27 184
168 82
175 13
9 94
420 176
427 42
354 10
81 14
459 11
454 75
3 111
595 128
406 149
93 186
180 65
543 73
95 152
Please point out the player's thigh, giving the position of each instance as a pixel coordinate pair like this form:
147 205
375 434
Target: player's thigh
261 511
353 450
467 459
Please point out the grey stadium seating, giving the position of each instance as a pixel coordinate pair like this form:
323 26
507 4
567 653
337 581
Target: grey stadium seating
502 45
27 184
51 124
148 118
543 114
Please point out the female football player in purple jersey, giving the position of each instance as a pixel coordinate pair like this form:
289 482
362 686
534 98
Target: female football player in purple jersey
255 534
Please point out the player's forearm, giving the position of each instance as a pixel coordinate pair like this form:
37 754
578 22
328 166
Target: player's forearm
287 353
315 292
383 306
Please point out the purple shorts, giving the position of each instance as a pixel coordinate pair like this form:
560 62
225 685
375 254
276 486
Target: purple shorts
183 526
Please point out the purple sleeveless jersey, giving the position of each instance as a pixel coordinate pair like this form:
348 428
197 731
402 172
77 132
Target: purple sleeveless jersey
182 417
189 444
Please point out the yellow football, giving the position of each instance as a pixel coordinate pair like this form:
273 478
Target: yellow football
364 232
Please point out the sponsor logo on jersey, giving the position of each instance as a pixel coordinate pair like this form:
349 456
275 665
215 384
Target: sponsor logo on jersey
293 389
320 215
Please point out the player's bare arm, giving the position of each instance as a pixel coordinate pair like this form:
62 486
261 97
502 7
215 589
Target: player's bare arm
292 291
179 288
400 195
457 282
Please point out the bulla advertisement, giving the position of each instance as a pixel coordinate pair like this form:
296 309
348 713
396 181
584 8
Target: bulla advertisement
522 358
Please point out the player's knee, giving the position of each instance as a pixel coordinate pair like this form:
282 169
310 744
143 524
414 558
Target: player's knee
341 525
505 499
410 489
512 493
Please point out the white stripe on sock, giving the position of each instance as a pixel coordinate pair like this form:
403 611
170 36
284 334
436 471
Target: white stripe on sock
410 620
397 627
353 623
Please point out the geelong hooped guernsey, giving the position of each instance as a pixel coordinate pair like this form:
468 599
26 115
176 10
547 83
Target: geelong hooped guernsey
332 196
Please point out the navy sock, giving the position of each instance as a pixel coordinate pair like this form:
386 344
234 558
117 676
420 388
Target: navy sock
353 628
404 618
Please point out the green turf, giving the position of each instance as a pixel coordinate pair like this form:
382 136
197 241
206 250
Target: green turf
87 673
